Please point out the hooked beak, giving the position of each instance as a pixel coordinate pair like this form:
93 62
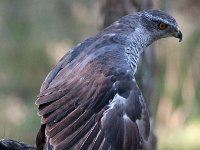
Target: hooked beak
178 34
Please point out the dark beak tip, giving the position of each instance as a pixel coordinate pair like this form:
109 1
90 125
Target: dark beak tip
180 36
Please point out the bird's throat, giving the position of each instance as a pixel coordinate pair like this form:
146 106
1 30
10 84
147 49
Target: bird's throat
137 43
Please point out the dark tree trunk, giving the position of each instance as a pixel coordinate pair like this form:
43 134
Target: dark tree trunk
111 10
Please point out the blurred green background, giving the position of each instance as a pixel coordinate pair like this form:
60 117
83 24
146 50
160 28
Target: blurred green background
35 34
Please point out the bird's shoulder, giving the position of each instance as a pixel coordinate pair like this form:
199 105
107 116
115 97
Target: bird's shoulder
99 53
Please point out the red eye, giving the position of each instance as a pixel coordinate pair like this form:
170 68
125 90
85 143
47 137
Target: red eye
162 26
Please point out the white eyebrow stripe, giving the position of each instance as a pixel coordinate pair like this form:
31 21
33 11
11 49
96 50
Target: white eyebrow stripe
158 18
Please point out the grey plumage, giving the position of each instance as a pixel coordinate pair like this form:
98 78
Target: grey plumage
90 99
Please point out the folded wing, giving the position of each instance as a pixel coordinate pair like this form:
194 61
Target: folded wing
92 102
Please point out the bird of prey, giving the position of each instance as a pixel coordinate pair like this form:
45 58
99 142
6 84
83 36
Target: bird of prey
90 99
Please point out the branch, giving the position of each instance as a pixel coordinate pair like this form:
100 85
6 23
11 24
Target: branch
10 144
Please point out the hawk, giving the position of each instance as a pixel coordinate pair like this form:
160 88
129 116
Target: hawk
90 99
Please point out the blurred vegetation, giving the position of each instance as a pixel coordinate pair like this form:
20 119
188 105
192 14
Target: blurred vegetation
35 34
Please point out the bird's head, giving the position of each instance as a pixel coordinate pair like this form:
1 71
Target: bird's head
159 24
